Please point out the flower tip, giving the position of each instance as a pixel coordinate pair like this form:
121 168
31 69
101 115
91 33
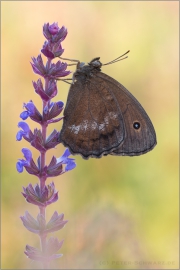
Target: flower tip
53 28
19 166
70 166
24 115
19 135
27 154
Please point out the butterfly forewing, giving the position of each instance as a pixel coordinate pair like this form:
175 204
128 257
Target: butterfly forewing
93 123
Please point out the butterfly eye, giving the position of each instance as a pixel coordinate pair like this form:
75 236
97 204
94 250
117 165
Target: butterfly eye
96 64
136 125
81 64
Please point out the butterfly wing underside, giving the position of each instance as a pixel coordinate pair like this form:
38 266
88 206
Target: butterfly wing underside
137 141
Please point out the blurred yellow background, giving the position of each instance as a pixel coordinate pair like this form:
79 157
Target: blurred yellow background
122 211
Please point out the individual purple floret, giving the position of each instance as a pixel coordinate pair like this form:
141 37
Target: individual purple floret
32 112
39 225
52 51
52 71
55 167
28 163
25 132
54 33
52 140
40 197
52 246
51 90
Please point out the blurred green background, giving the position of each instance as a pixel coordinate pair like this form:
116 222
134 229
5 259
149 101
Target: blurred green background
122 211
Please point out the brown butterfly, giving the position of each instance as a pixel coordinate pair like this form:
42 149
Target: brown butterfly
102 117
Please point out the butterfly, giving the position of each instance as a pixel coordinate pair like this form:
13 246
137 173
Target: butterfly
102 117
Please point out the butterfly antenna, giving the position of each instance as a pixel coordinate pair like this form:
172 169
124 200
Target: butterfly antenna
72 60
117 59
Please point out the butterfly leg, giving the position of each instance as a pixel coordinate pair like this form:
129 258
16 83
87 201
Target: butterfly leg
65 80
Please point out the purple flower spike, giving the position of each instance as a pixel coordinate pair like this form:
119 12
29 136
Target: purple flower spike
40 197
43 194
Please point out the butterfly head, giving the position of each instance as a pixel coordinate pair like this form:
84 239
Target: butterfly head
87 71
95 63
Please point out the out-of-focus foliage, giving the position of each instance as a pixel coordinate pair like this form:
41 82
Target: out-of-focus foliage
122 211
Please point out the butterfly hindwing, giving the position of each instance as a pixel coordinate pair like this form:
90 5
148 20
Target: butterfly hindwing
138 140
